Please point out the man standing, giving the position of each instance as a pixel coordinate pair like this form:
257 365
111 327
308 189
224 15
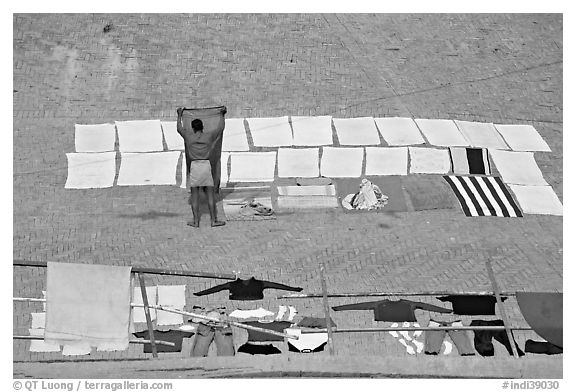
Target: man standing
198 148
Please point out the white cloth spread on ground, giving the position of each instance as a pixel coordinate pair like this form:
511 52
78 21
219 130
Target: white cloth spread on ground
139 136
38 320
138 315
386 161
399 131
270 132
91 170
87 304
369 197
94 137
223 168
441 132
172 297
40 346
481 134
307 190
522 137
252 166
306 342
518 168
312 131
429 160
537 199
173 139
234 137
298 162
253 313
341 162
183 173
153 168
297 202
359 131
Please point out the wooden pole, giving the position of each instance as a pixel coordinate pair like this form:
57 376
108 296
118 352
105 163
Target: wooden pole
387 329
388 294
136 341
147 314
326 309
143 270
501 307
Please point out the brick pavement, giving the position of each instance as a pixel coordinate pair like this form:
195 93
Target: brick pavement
495 67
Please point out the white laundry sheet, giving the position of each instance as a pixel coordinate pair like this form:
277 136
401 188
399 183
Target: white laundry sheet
386 161
301 162
441 132
252 166
39 346
138 315
483 135
151 168
76 349
307 202
399 131
38 320
306 342
173 297
224 157
270 131
234 137
518 168
360 131
173 139
341 162
94 137
139 136
537 199
91 170
308 190
523 137
253 313
429 160
312 131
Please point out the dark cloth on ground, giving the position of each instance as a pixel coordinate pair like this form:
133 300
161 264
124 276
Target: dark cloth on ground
173 336
428 192
387 310
483 339
391 186
543 312
472 304
548 348
247 290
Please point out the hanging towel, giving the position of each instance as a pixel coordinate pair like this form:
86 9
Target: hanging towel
87 304
234 138
155 168
518 168
139 136
173 139
76 349
270 132
90 170
38 320
483 196
429 160
523 138
252 166
386 161
173 297
245 314
341 162
470 160
359 131
540 200
94 137
543 312
138 315
441 132
40 346
301 162
399 131
483 135
312 131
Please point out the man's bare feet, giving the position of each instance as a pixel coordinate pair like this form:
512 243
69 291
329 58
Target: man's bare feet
193 224
218 223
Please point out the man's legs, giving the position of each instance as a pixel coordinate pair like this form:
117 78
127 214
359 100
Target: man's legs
212 207
194 195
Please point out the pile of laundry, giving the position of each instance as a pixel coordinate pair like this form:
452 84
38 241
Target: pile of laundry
369 197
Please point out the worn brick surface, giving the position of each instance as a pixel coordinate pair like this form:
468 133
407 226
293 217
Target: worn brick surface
491 67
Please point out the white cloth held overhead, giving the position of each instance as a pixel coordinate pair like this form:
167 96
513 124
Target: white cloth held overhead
312 131
522 137
94 137
341 162
301 162
441 132
399 131
139 136
174 141
154 168
234 137
91 170
386 161
359 131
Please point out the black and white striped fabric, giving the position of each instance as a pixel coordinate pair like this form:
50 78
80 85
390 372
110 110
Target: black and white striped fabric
483 196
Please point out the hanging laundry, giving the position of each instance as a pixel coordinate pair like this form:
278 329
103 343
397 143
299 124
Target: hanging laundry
541 348
256 336
470 160
79 348
256 313
172 336
315 322
412 345
433 339
281 311
292 313
370 197
39 346
543 312
483 339
171 297
258 349
247 290
472 304
206 334
306 342
388 310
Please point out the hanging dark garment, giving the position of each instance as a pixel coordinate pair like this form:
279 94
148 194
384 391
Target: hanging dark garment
387 310
483 339
258 349
315 322
173 336
247 290
315 350
256 336
543 312
472 304
541 348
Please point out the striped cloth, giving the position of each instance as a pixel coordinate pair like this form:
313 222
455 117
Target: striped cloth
483 196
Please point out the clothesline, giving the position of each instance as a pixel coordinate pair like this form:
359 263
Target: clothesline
387 329
389 294
138 341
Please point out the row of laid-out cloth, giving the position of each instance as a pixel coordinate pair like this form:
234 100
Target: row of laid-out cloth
150 135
